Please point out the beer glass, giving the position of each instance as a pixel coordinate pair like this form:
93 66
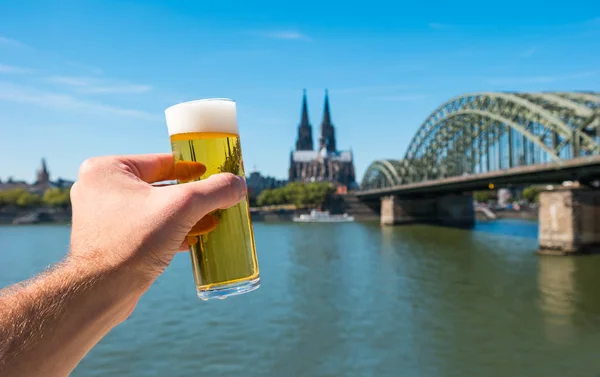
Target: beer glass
204 134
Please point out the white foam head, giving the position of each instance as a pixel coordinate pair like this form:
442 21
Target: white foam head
205 115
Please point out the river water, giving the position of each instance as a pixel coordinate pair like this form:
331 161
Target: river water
356 300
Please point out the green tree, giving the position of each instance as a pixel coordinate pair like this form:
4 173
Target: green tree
6 197
28 199
265 198
56 197
17 196
297 193
484 196
531 194
317 192
278 196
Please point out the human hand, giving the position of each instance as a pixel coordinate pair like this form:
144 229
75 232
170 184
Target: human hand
121 221
124 233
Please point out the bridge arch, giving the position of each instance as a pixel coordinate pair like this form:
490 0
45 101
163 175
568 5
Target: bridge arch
507 105
380 174
488 131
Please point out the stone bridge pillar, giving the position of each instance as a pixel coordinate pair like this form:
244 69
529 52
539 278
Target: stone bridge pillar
569 221
395 210
451 210
388 210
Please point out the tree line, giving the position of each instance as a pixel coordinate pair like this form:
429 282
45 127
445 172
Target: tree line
20 197
300 194
530 194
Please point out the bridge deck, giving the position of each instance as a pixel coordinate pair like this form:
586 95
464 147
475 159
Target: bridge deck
577 169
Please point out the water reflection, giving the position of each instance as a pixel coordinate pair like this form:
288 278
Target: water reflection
557 296
315 284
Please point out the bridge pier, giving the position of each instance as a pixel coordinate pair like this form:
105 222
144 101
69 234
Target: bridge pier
450 210
569 221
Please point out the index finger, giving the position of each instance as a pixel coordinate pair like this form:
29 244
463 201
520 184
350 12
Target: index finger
161 167
151 167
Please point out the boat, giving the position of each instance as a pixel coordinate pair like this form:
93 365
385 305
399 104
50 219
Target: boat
323 217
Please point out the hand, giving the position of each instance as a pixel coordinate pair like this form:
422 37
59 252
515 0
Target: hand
125 232
121 221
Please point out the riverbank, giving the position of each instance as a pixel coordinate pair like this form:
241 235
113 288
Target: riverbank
522 215
529 214
284 213
44 215
39 215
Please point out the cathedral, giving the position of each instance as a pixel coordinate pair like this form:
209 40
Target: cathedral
324 163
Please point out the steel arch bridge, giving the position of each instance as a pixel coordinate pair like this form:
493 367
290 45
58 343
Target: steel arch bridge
490 131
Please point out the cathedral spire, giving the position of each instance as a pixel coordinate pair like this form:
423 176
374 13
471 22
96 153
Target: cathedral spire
304 141
44 167
43 175
327 138
326 115
304 119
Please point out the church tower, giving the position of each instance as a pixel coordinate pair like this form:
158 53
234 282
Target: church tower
327 139
43 176
305 139
326 163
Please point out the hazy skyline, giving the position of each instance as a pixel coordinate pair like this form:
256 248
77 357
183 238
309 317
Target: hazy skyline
80 79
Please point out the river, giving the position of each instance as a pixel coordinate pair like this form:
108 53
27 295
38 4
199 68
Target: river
356 300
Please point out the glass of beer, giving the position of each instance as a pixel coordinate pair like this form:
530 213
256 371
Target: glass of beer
205 141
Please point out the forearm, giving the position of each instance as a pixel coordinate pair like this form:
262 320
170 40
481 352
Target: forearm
49 323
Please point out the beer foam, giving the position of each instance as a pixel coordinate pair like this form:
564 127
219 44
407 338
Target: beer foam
205 115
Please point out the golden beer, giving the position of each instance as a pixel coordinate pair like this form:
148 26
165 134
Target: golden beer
223 251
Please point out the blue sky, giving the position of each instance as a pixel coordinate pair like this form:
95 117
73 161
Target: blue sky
82 78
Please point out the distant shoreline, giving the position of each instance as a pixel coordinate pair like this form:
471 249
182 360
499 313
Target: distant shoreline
49 215
522 215
35 215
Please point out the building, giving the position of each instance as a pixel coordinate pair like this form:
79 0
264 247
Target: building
325 163
257 183
41 184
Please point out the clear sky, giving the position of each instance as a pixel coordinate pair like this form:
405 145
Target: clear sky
86 78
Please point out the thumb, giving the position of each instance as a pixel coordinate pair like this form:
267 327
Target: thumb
216 192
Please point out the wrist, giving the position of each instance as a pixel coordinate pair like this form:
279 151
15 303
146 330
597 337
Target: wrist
129 274
115 289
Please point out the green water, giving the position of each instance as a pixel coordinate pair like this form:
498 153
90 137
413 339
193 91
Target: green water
356 300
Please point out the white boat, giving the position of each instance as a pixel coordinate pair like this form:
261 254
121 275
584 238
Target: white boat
323 217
